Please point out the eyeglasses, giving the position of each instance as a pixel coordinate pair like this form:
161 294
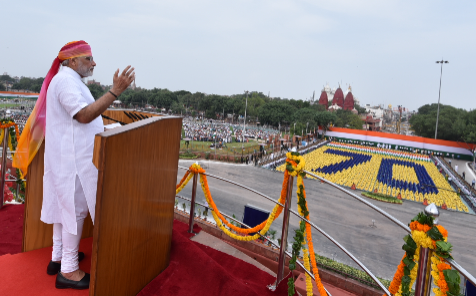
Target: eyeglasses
89 59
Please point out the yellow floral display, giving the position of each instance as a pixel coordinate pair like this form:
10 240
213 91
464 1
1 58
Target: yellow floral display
364 175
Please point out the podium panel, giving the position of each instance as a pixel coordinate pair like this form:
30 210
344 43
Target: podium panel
137 166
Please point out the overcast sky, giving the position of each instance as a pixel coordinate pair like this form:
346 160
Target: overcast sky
386 50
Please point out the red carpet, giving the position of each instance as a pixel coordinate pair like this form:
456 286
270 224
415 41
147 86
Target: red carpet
194 269
11 229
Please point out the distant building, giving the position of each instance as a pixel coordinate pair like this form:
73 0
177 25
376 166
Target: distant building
349 100
338 98
90 82
373 124
328 95
334 107
323 99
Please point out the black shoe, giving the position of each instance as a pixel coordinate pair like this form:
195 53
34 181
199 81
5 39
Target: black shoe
53 267
64 283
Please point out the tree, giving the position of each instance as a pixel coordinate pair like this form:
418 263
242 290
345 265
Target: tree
276 112
177 108
5 78
325 118
305 116
29 84
359 109
347 119
453 124
2 87
96 91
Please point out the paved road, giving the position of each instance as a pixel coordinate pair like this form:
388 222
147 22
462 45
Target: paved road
342 217
462 167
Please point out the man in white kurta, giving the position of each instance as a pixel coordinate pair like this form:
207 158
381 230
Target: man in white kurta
70 178
68 151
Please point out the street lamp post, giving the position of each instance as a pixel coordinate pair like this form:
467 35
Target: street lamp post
244 124
439 95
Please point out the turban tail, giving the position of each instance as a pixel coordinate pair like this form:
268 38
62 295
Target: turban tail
34 130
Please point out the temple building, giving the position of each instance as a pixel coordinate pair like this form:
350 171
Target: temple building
335 96
338 98
323 99
349 100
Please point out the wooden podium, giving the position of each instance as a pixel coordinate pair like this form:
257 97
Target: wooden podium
137 165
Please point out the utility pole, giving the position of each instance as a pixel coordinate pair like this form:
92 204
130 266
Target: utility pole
439 95
244 122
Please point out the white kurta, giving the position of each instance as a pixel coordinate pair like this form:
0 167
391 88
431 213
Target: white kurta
69 149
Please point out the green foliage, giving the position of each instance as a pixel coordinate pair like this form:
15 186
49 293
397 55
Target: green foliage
422 218
30 84
96 91
435 234
443 249
453 280
359 109
188 155
6 78
382 197
453 124
345 118
276 112
297 245
272 234
2 87
410 248
348 271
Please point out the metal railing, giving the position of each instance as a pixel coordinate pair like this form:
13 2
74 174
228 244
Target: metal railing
423 282
281 156
452 262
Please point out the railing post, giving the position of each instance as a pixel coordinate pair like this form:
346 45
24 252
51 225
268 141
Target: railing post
192 204
284 236
423 280
4 165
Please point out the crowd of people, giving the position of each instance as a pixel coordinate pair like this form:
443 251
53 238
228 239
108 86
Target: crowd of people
207 131
19 113
212 130
257 133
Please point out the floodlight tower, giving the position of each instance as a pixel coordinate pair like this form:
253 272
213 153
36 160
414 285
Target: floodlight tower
439 95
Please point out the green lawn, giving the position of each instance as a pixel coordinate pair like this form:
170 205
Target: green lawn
9 105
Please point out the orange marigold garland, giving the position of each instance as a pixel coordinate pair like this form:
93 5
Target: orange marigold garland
183 179
196 169
257 228
397 278
425 234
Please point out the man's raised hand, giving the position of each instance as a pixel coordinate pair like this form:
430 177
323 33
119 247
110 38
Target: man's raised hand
122 82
